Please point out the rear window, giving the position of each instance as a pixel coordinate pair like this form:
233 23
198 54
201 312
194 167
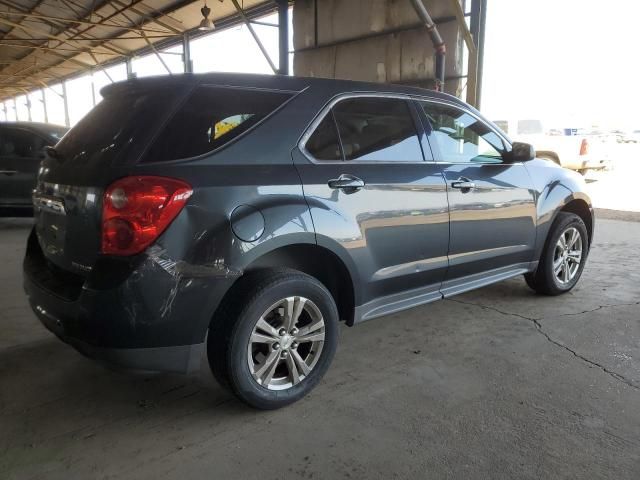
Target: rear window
211 118
378 130
122 124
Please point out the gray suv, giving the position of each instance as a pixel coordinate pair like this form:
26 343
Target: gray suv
233 221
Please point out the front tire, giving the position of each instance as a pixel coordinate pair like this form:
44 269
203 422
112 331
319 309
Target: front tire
563 257
274 337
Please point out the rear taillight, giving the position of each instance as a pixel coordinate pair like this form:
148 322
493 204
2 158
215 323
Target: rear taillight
584 147
136 210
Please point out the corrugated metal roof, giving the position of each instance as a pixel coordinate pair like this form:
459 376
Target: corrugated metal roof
45 41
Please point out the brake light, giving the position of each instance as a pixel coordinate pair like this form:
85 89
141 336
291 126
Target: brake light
584 147
136 210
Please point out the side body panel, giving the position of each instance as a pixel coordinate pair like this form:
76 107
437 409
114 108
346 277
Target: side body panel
493 226
394 231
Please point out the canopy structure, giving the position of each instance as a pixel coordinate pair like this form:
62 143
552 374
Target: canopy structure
43 42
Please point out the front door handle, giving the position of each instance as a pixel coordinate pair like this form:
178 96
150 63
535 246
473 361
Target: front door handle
348 183
9 172
463 184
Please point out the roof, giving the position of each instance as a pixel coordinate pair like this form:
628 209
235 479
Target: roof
45 41
276 82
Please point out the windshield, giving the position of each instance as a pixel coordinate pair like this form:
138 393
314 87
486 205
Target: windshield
118 127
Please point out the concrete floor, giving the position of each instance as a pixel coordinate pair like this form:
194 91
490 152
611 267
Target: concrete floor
498 383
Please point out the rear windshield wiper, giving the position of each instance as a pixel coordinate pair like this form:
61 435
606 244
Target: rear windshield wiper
52 152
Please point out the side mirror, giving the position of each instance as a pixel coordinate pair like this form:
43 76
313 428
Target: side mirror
521 152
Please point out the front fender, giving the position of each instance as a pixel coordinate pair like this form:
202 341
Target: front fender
555 189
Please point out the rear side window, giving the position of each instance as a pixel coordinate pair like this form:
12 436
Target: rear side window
377 129
211 118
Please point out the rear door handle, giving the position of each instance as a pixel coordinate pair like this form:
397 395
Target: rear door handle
348 183
9 172
463 184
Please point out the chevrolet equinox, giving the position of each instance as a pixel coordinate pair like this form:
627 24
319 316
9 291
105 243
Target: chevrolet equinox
231 221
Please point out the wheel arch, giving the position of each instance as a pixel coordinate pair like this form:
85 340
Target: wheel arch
580 207
561 195
316 261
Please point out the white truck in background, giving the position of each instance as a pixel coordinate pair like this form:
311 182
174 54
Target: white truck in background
568 148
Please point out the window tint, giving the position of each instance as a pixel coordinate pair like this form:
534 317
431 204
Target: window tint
120 125
20 143
377 129
461 137
324 143
210 118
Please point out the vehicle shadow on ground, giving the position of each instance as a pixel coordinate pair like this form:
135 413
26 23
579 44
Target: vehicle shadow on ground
46 384
42 374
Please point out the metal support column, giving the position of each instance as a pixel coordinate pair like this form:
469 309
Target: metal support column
254 35
480 43
129 65
67 121
478 21
93 90
283 36
44 106
28 105
186 54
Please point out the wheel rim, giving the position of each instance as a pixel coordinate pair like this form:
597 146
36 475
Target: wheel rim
286 343
567 256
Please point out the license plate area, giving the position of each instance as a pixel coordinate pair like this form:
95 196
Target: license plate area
51 224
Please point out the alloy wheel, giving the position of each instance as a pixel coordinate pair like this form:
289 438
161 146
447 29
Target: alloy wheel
286 343
567 256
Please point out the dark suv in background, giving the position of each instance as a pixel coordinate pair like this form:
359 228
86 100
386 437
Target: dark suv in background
238 218
21 151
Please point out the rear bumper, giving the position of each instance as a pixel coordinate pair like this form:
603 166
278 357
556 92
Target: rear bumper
136 317
176 359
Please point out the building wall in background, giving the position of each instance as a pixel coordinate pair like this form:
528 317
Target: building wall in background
377 41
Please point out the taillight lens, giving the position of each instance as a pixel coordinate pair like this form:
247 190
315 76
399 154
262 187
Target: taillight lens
584 147
136 210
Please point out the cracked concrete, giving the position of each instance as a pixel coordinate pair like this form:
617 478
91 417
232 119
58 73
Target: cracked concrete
496 383
538 325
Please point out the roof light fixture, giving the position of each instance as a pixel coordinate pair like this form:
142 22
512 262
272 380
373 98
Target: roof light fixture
206 23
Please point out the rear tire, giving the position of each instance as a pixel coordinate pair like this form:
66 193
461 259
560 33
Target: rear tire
273 338
563 257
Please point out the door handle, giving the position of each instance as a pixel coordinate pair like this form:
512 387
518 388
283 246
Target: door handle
463 184
9 172
348 183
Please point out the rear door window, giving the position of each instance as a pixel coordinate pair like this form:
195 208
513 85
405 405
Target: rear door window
377 129
211 118
324 143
